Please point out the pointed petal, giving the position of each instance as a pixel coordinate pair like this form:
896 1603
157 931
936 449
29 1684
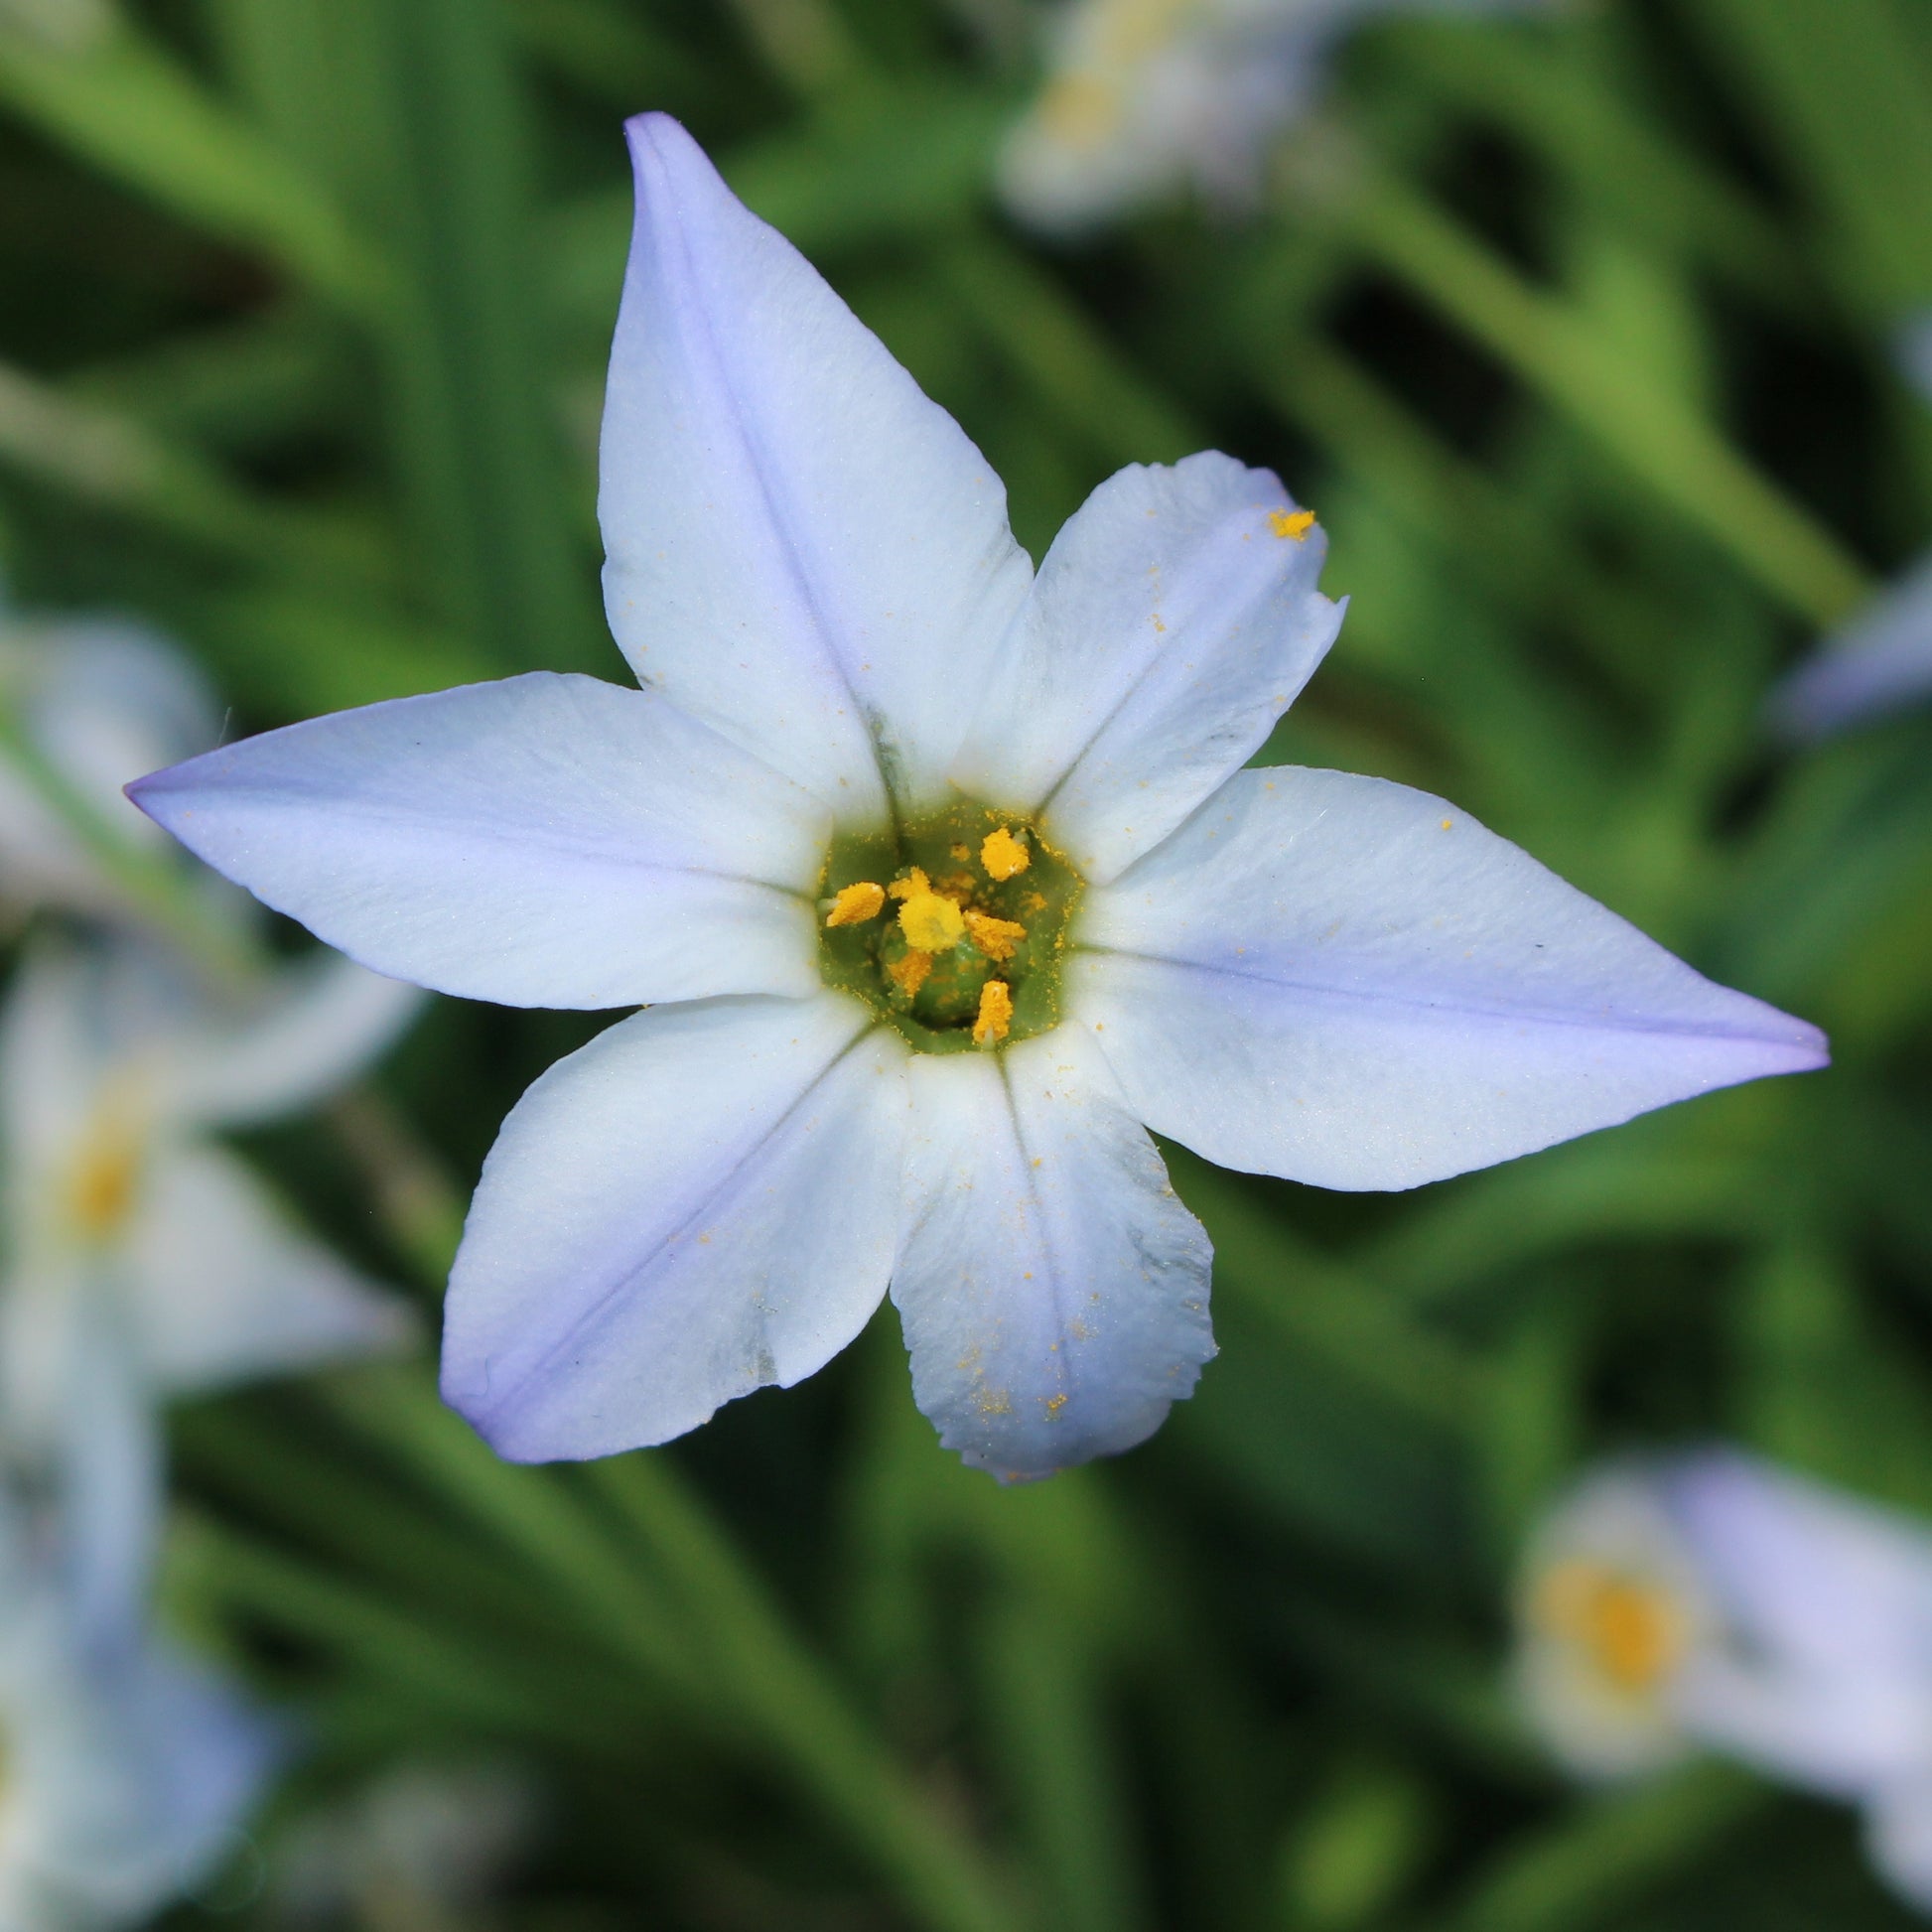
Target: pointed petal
1833 1599
1879 663
225 1288
329 1018
546 841
1172 625
700 1202
804 551
1351 984
1054 1288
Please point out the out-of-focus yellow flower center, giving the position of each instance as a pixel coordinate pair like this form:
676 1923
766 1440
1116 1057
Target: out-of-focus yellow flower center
103 1182
1632 1629
979 909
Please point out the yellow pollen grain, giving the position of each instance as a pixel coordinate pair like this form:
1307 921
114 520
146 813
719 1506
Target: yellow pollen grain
910 885
1292 523
1054 1404
856 903
995 938
995 1014
910 973
932 923
962 853
1003 855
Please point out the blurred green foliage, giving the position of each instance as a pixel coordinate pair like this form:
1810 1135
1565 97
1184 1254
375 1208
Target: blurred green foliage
1577 332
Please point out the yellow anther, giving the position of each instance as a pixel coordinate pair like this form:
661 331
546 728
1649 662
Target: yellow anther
910 883
910 973
995 1014
856 903
1080 111
100 1195
1633 1631
995 938
1292 523
932 923
1003 855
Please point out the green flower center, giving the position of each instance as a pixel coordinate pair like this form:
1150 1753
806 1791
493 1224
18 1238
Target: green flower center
954 930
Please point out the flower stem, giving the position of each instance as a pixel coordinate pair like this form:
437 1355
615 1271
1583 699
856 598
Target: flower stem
1611 396
672 1597
801 1713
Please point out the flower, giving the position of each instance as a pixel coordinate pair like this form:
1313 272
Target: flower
100 702
938 879
141 1258
1881 661
1143 96
128 1766
1713 1600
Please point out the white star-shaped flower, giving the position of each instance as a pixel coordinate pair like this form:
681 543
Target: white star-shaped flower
1144 96
1715 1601
938 879
141 1258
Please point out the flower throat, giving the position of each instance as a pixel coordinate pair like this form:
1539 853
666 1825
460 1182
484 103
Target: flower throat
954 930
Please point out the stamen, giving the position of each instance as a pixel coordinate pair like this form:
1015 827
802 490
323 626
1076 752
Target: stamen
856 903
995 1014
1292 523
995 938
1632 1630
1003 855
929 923
101 1195
910 973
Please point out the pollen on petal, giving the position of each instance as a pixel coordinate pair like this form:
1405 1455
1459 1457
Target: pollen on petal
910 973
856 903
1003 855
1292 523
995 938
995 1014
932 923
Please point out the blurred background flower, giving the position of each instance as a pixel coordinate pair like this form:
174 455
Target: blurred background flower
1576 328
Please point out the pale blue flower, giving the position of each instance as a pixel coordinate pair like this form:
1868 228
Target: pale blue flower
129 1766
1144 96
1715 1601
855 685
1881 661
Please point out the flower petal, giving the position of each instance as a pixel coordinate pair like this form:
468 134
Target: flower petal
1348 983
1899 1836
1879 663
102 702
1173 622
700 1202
804 551
223 1287
545 841
327 1019
1054 1288
1833 1599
